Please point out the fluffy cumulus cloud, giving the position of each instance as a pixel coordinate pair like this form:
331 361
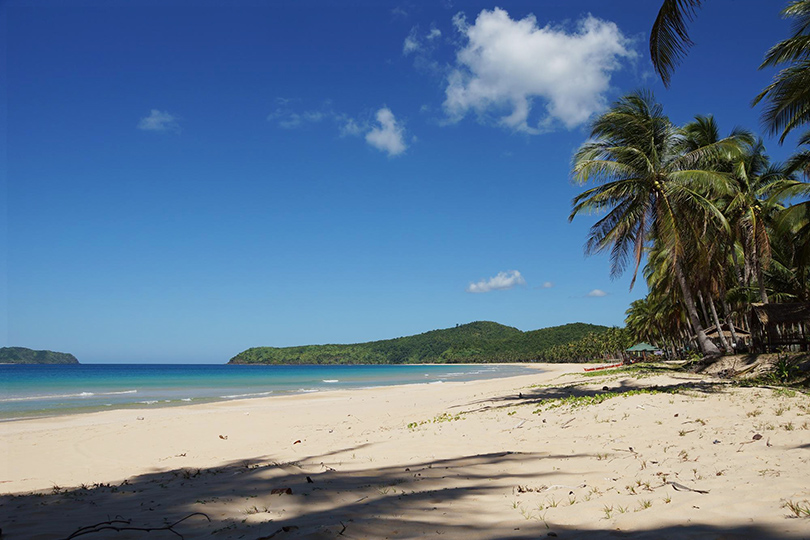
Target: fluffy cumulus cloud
506 67
387 135
159 121
503 281
596 293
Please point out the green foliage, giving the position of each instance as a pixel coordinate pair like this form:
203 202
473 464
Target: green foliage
594 346
21 355
476 342
575 402
784 370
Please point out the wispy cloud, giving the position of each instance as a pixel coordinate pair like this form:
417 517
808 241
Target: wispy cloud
159 121
417 42
547 285
387 135
596 293
287 118
421 46
503 281
384 133
509 65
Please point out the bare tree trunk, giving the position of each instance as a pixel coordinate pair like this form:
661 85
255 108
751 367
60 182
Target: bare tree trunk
723 340
706 346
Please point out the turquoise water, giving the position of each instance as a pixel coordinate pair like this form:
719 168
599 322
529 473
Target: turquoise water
28 391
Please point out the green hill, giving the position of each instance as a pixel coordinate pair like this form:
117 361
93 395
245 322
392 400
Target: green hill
21 355
480 341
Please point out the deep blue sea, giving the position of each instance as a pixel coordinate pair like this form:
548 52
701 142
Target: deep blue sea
28 391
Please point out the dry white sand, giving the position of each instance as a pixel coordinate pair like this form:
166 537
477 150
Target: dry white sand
483 459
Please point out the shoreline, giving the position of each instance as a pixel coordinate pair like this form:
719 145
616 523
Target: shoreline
160 403
173 416
508 458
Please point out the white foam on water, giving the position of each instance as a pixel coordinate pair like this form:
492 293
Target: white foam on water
236 396
66 396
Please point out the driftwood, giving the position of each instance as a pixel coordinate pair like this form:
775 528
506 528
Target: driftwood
119 525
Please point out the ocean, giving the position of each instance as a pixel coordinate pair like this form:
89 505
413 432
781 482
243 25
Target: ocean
30 391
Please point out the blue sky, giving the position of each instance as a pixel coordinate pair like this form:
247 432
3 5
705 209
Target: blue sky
184 180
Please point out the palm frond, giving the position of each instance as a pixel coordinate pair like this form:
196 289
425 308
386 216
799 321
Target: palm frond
669 39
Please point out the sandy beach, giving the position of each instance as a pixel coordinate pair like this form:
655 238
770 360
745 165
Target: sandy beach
556 453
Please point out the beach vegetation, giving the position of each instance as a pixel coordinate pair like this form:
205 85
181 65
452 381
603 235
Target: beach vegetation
705 213
717 224
586 400
255 510
720 225
798 509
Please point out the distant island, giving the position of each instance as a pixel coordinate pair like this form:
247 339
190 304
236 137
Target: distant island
476 342
21 355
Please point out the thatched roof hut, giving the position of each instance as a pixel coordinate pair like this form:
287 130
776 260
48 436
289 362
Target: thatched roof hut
780 326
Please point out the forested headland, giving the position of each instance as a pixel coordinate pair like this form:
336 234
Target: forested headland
476 342
21 355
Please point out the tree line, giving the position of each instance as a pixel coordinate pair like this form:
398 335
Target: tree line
717 224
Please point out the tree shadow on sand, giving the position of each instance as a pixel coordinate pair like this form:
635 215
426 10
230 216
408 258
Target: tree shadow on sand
592 389
319 497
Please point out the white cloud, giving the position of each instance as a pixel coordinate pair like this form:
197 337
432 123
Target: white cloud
399 11
596 293
285 117
504 280
349 127
411 43
387 136
508 65
159 121
416 44
548 285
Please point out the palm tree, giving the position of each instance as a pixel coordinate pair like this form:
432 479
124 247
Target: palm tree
751 211
668 37
794 221
788 95
650 190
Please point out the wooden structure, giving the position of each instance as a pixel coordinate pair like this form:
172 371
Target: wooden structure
639 352
776 327
743 337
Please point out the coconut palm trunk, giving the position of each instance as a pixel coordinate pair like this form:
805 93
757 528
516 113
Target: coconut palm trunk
730 321
763 294
706 346
720 334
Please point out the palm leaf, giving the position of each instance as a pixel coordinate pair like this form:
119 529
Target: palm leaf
669 39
